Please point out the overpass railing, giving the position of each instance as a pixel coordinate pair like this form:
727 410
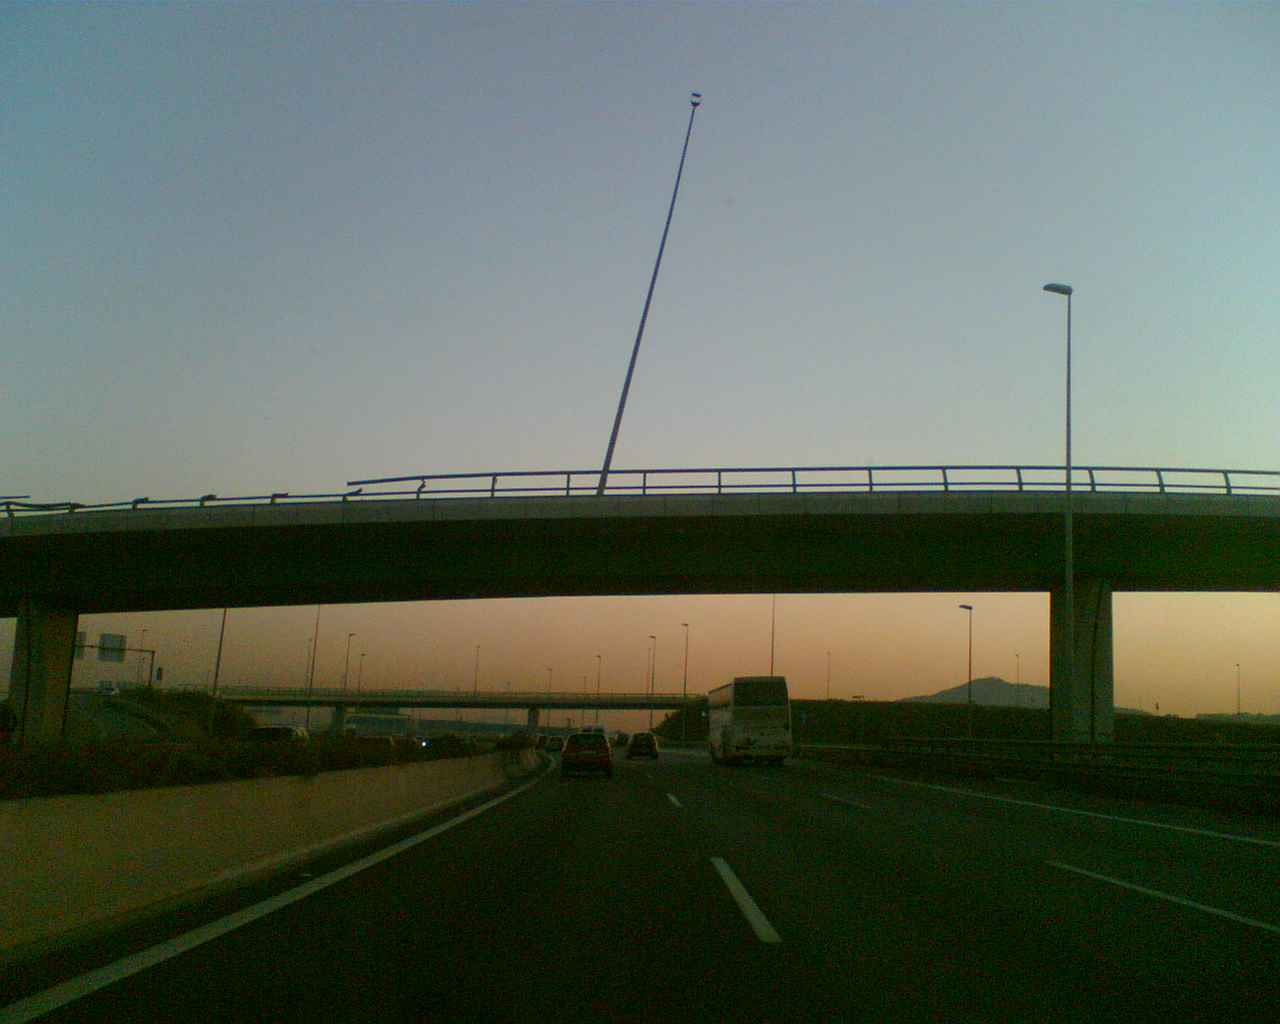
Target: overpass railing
723 480
449 698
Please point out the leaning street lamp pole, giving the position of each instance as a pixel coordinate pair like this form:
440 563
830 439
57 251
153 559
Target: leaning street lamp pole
644 314
1068 557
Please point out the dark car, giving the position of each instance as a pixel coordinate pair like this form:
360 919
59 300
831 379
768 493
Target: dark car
643 744
586 752
277 734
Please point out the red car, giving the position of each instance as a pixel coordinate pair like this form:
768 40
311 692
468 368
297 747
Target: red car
586 752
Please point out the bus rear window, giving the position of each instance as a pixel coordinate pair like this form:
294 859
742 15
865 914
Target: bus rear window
761 692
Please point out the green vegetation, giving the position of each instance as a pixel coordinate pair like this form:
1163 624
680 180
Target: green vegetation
103 766
199 739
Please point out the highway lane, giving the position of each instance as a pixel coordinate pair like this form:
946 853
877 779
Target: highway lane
866 898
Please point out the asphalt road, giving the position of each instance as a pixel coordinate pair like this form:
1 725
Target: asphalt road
684 892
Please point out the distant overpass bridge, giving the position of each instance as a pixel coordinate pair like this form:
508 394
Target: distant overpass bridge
533 702
716 531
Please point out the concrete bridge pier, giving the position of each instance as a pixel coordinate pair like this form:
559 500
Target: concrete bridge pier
531 723
1082 708
338 723
40 678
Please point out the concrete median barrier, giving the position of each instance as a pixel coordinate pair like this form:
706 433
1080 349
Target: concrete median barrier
69 865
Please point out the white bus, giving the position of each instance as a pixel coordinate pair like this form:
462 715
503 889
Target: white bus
750 720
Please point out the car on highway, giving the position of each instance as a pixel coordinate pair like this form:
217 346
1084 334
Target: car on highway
642 744
277 734
554 744
586 752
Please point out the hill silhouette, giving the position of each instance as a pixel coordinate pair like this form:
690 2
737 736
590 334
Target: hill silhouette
991 691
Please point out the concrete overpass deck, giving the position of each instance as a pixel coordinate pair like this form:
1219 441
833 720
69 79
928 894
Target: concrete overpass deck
817 530
459 700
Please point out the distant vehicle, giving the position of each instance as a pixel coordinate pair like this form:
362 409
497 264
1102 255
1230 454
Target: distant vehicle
593 728
540 741
750 720
620 740
277 734
554 744
586 752
642 744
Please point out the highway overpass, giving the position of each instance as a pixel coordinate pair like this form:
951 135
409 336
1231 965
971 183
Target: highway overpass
819 530
533 702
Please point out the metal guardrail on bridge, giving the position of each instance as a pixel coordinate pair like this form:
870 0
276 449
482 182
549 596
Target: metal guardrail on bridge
328 696
764 480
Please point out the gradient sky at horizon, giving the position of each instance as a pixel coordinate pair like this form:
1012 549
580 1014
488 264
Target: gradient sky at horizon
257 248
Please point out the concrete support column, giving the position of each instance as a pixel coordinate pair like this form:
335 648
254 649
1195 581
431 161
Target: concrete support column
40 679
338 723
1082 708
531 723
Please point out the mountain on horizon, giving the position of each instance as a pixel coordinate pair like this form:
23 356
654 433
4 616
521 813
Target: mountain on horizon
991 691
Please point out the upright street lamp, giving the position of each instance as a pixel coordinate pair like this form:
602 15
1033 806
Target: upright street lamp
1068 586
311 673
217 661
969 700
597 689
360 671
653 671
684 711
346 663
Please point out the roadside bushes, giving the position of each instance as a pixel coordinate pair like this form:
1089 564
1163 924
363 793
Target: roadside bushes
102 766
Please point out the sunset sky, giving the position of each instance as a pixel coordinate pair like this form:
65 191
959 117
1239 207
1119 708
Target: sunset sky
258 248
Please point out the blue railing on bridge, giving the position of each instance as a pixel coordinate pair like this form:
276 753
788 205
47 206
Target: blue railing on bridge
764 480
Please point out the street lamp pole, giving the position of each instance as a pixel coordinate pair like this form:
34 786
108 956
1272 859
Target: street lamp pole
653 671
694 100
311 675
597 689
684 711
346 664
217 661
1068 585
969 700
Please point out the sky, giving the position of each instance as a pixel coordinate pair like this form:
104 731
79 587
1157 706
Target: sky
258 248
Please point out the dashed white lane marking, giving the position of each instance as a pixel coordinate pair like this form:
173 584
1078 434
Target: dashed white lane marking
1203 907
755 917
674 801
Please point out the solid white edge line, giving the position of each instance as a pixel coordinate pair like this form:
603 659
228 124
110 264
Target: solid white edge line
755 917
1203 907
1087 814
37 1005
